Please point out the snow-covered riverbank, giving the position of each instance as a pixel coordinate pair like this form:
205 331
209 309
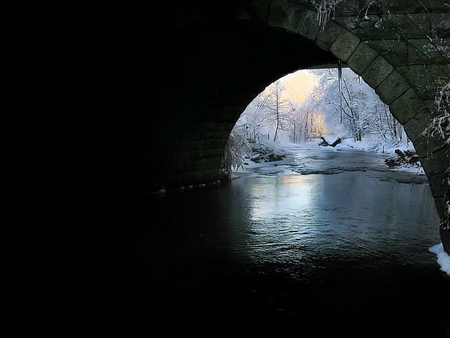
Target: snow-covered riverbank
284 151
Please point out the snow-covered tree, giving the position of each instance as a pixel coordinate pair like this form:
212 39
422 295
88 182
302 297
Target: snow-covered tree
236 148
276 107
440 125
353 109
308 121
270 113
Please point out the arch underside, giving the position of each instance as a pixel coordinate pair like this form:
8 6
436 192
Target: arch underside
184 86
214 70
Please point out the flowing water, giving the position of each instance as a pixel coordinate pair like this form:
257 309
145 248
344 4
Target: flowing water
324 243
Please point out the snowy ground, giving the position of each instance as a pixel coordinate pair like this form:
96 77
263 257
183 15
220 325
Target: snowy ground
443 259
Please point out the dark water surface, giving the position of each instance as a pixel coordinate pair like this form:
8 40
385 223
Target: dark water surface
323 244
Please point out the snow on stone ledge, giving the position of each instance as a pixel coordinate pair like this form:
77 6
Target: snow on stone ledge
443 258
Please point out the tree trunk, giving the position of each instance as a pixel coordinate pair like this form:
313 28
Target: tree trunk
334 144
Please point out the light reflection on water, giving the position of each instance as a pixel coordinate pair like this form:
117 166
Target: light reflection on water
280 195
349 213
326 244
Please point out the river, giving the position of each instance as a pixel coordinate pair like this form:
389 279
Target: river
326 242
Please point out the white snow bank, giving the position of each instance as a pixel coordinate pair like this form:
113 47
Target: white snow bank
367 144
357 145
413 169
443 258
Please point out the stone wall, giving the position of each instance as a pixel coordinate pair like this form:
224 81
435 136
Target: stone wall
196 66
401 50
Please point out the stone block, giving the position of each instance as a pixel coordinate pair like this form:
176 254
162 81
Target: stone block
437 185
422 78
196 176
377 72
431 106
215 143
206 135
424 51
222 134
434 162
294 17
207 163
414 127
439 72
310 26
433 109
166 144
224 126
200 144
395 6
259 10
362 57
231 115
185 145
208 153
277 13
441 208
446 69
407 106
368 29
390 27
325 38
204 126
440 22
344 45
410 26
392 87
427 145
394 51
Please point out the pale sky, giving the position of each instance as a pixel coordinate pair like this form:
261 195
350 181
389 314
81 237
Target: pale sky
300 84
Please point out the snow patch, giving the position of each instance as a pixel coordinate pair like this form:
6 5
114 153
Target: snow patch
443 258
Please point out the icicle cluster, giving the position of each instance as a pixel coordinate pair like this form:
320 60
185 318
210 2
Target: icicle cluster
326 10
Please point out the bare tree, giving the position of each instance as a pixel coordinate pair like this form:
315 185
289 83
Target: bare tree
361 109
276 106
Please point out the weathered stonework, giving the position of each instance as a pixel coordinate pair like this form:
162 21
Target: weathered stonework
396 51
444 233
227 126
327 36
438 72
440 23
415 126
426 146
421 79
439 183
277 14
432 108
396 6
433 162
423 51
309 27
214 57
361 58
345 45
392 87
407 106
389 27
294 17
377 72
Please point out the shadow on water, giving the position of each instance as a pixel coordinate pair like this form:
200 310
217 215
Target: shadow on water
284 254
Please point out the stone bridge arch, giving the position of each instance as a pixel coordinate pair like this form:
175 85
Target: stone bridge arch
405 82
213 57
